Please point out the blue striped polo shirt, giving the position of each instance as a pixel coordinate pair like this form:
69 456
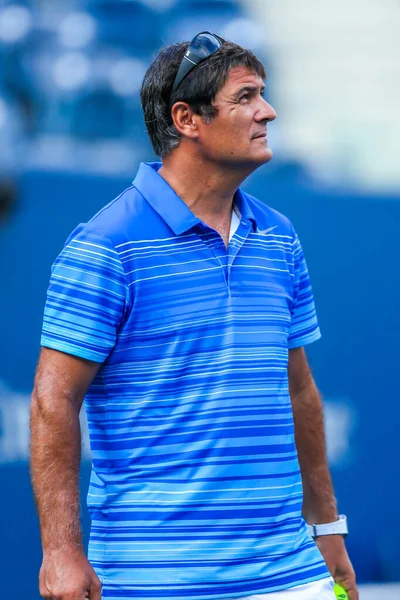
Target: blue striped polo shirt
195 489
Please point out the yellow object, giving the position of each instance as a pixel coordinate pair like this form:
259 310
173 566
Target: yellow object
340 592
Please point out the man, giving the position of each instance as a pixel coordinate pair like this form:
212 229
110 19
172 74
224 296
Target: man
181 311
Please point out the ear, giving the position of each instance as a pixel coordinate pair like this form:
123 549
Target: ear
185 120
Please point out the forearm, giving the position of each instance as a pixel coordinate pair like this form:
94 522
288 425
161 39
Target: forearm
319 503
55 461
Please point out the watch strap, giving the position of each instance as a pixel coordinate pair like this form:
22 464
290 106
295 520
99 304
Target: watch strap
338 527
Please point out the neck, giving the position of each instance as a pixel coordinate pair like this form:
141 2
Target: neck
205 187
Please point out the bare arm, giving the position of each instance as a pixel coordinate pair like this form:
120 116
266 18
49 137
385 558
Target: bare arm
319 502
60 386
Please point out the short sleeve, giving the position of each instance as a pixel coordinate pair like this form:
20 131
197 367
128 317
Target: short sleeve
304 325
87 297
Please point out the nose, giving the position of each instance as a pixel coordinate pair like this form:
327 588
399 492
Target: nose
265 112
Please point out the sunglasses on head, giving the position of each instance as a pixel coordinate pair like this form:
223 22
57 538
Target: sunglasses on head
202 46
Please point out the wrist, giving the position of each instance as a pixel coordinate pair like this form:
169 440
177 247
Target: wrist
63 547
59 533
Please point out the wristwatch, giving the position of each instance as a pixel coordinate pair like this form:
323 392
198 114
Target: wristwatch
338 527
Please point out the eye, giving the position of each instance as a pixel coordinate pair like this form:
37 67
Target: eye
244 98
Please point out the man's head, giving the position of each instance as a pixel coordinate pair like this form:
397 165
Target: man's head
217 110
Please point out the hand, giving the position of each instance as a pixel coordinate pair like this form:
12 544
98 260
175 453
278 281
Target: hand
66 574
337 560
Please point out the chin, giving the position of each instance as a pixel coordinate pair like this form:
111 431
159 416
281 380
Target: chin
264 156
251 160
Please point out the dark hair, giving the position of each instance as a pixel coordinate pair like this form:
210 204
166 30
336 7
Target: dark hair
198 89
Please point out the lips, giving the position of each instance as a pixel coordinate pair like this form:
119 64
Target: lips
262 134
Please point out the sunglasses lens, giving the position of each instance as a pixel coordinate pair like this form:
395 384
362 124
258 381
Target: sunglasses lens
205 44
201 47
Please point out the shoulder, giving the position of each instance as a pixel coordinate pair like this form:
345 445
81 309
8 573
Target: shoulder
124 219
267 217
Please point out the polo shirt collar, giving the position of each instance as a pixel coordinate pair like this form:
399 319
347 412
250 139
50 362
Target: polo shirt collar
166 202
242 203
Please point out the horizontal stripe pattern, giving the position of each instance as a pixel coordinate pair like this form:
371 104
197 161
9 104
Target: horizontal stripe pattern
195 489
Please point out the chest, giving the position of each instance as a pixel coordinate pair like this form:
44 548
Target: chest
196 287
223 230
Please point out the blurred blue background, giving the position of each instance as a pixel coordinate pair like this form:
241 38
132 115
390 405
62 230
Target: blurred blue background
71 138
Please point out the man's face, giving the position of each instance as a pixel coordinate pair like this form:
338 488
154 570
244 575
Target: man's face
238 134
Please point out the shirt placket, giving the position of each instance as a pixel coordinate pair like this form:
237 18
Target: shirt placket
235 244
225 256
215 244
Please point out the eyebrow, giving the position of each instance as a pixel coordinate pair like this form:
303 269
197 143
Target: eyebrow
248 88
